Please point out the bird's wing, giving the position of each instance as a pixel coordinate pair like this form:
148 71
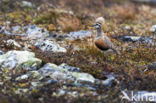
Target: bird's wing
110 44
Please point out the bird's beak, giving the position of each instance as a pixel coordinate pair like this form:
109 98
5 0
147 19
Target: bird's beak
93 25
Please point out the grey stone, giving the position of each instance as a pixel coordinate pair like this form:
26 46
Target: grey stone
152 66
17 59
35 32
1 52
79 34
47 45
13 44
153 28
145 1
60 73
109 80
70 68
27 4
147 40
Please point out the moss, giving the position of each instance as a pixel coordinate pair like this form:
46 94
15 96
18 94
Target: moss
128 66
17 17
31 64
47 18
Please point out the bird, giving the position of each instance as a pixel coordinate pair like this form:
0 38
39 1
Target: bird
101 40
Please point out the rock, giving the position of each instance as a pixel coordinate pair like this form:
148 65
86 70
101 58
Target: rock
4 30
109 80
20 91
23 77
34 74
69 68
12 43
62 92
131 38
35 32
65 75
79 34
145 1
1 52
149 67
127 27
83 78
47 45
30 31
147 40
16 29
31 74
152 66
59 73
73 93
153 28
49 68
27 4
55 72
19 59
36 84
57 36
51 81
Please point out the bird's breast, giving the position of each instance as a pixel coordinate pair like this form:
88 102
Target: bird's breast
100 43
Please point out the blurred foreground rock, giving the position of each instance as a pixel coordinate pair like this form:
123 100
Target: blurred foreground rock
19 59
153 28
38 76
50 46
145 1
141 39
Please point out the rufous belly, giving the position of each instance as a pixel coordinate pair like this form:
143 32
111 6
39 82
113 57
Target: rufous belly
101 44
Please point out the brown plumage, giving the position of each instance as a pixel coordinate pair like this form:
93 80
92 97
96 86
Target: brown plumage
102 42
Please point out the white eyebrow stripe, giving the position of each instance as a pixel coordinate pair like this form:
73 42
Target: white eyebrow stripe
98 24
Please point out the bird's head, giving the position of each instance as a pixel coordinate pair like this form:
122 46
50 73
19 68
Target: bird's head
99 22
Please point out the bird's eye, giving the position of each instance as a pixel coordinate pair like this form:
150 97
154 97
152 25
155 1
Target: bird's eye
98 24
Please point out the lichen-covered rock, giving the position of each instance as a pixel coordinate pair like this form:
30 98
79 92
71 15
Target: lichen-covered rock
69 68
79 34
12 43
1 52
30 31
33 32
60 73
51 73
145 1
3 30
147 40
152 66
153 28
68 76
72 93
18 59
83 77
23 77
27 4
109 80
56 72
47 45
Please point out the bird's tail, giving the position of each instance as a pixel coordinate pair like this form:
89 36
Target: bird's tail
116 51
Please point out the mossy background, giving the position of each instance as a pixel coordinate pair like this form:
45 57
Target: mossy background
74 15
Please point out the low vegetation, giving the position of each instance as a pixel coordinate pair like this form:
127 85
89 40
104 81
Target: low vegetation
129 66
